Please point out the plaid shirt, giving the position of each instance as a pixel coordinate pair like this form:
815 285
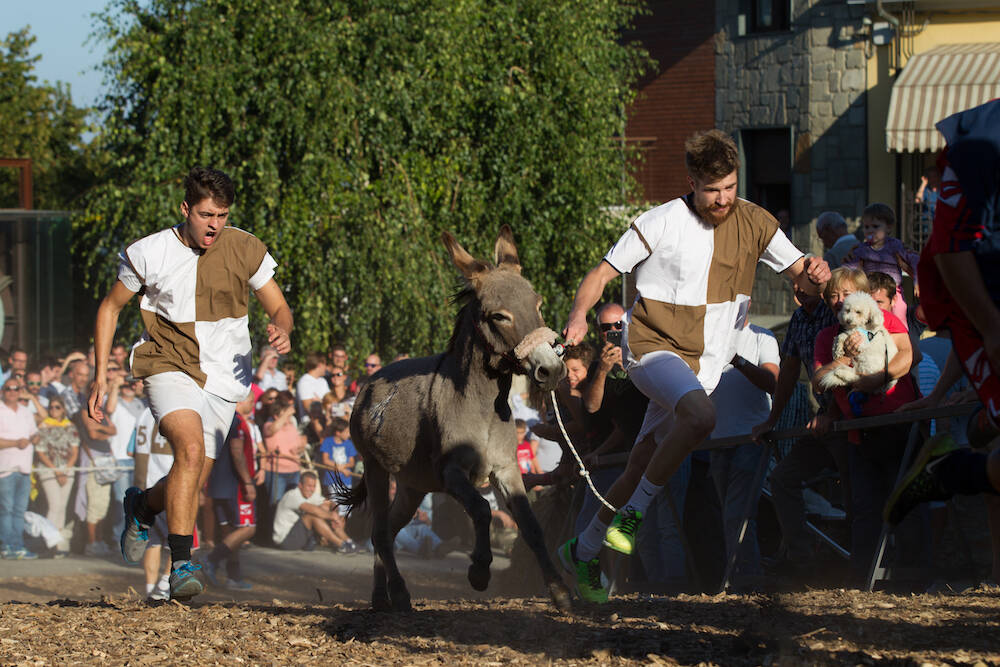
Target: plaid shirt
801 335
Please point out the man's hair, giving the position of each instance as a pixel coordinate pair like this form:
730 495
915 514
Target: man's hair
583 352
339 424
287 365
308 473
842 275
16 350
314 359
830 220
878 280
882 213
337 347
711 155
207 183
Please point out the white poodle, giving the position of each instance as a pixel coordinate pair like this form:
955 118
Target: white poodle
860 313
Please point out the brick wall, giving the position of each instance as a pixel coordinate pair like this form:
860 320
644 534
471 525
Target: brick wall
678 97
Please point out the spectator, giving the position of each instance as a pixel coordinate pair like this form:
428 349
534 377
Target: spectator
265 405
883 252
123 417
303 518
312 386
927 193
95 443
119 355
268 375
50 371
17 361
338 454
233 493
877 452
341 399
831 228
18 435
338 357
373 364
31 397
283 445
807 456
153 458
527 449
742 400
417 537
291 374
75 395
58 447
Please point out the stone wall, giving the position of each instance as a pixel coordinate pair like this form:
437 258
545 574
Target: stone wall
811 79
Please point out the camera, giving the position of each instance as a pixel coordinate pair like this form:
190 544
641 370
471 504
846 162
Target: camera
614 336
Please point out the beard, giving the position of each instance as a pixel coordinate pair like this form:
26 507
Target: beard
713 214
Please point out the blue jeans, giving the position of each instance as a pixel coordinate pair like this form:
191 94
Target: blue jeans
14 491
118 488
277 483
733 470
412 536
659 541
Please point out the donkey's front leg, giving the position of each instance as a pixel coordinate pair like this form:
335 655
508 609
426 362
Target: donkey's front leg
509 486
457 484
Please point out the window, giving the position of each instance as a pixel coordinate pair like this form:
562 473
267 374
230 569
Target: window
763 16
766 176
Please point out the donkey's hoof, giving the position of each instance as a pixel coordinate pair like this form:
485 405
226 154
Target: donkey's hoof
479 576
560 596
381 603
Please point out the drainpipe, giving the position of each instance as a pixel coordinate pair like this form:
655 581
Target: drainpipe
894 20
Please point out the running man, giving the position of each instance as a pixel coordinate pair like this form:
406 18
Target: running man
194 355
959 273
694 260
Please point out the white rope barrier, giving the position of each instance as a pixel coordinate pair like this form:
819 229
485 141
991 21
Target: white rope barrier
583 469
37 469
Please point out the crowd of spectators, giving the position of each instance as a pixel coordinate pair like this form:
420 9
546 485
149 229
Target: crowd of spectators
290 444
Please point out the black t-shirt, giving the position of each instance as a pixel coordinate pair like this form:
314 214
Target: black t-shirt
623 406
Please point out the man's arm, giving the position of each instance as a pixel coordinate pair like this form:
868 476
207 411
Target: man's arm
279 329
810 274
104 333
587 295
764 376
965 285
593 394
788 376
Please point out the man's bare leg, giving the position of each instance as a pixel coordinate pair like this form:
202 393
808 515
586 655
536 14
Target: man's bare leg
322 530
183 429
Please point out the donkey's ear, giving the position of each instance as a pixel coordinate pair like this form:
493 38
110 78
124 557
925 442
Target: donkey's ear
505 251
469 266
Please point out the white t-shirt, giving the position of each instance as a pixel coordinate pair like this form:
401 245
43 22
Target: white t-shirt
739 404
148 441
310 388
287 512
124 422
273 379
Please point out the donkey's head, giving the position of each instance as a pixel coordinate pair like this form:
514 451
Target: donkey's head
507 312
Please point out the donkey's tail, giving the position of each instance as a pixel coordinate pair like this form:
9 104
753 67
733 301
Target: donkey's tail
349 496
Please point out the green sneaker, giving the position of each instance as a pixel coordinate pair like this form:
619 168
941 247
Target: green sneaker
590 584
622 531
919 483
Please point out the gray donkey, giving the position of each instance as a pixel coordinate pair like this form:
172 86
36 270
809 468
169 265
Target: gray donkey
443 423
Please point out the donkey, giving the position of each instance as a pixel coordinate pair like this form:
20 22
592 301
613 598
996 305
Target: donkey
443 423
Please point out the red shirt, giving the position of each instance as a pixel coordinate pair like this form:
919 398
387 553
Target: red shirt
524 456
877 404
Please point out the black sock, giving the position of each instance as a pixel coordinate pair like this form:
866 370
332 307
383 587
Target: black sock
220 553
964 471
180 547
143 513
233 569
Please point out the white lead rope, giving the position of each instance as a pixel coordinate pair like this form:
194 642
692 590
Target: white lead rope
583 469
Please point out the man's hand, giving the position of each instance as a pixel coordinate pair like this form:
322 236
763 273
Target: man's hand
278 338
820 425
610 355
576 329
249 491
816 270
98 391
23 443
760 430
919 404
62 478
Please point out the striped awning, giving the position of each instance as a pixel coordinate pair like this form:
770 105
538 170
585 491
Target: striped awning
935 84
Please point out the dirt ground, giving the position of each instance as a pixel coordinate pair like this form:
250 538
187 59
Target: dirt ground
312 617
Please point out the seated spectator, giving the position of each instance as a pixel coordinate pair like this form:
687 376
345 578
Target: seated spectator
58 447
417 537
18 435
283 444
527 449
877 452
303 518
338 454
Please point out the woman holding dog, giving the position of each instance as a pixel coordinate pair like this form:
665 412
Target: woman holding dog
876 453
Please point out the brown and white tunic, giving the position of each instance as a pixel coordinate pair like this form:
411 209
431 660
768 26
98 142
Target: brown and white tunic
195 306
694 280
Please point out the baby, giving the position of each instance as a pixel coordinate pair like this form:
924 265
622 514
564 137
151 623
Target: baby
883 252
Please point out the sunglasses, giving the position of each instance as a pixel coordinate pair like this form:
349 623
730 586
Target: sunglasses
34 384
367 365
11 388
608 326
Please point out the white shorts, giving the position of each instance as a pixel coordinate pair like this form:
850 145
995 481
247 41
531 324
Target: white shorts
173 390
664 378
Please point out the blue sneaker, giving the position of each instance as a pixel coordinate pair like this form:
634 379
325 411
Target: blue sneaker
23 554
184 582
135 535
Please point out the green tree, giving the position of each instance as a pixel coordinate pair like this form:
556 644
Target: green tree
40 122
357 131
